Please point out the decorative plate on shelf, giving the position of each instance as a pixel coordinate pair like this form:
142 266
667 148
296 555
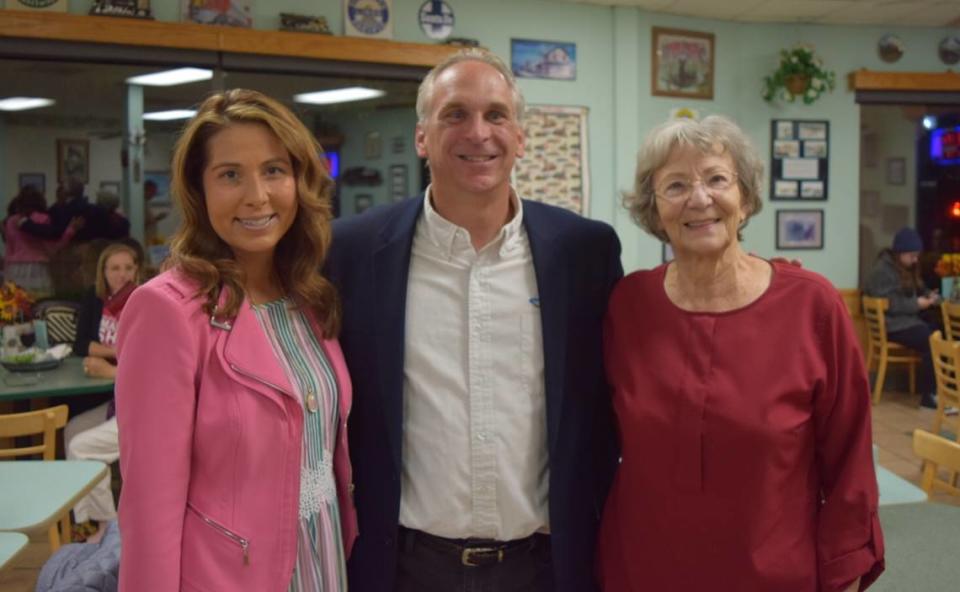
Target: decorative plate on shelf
890 48
949 50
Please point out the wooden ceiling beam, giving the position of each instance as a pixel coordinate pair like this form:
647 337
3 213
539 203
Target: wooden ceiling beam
161 34
872 80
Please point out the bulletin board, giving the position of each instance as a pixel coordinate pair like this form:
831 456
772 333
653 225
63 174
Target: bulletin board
799 159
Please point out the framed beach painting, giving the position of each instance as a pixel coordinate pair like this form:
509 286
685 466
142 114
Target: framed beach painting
682 63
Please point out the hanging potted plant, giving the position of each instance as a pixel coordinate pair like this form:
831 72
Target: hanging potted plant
800 75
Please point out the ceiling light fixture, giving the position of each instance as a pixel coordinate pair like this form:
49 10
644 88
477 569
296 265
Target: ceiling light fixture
929 122
24 103
172 77
170 115
338 95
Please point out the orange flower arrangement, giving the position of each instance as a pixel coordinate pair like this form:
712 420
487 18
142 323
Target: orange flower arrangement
948 265
14 303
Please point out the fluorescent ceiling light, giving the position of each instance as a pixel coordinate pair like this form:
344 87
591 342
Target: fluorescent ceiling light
169 115
339 95
172 77
24 103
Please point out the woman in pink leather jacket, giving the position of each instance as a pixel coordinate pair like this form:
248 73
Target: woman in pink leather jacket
232 392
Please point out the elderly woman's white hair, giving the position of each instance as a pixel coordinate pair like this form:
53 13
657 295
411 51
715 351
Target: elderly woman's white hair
713 135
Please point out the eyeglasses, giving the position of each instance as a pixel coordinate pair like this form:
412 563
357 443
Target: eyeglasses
716 183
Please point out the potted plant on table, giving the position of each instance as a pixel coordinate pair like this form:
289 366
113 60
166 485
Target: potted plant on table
14 317
948 268
800 75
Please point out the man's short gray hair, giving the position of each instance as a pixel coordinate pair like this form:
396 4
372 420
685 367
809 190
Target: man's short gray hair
472 54
714 135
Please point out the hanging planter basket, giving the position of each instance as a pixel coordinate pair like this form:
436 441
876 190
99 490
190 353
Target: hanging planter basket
800 75
797 83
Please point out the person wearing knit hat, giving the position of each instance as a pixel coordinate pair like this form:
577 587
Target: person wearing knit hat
907 240
896 277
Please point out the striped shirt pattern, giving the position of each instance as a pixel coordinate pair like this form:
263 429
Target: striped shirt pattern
321 564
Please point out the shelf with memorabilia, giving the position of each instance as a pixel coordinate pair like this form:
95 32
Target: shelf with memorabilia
872 80
173 35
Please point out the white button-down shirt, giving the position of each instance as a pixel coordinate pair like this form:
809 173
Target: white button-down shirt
474 430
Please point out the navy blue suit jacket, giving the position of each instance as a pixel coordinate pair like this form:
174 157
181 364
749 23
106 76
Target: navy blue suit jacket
577 262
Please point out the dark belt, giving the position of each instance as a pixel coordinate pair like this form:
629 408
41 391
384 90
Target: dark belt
472 552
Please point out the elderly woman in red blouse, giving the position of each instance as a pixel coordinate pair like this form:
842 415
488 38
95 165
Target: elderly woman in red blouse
740 393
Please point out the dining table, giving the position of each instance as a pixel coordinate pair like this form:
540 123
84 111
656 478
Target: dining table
921 542
66 380
38 493
11 545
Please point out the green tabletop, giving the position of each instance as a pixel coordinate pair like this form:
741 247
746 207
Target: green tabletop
922 547
897 490
11 544
36 493
65 380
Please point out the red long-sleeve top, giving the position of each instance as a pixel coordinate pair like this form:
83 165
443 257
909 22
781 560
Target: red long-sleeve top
747 462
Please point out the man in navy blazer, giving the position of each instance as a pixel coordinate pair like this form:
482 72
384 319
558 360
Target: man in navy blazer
476 467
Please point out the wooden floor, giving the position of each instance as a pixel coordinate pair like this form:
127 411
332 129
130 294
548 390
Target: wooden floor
894 420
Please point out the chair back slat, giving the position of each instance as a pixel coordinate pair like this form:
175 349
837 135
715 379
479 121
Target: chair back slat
937 453
946 367
951 319
42 422
873 312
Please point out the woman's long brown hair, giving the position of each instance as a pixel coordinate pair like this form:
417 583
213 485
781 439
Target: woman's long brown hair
202 255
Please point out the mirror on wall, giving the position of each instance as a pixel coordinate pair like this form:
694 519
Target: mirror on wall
909 176
369 142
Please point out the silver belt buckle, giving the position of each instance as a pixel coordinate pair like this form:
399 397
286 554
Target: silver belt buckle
466 558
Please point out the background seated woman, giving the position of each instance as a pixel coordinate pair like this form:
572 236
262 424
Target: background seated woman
93 433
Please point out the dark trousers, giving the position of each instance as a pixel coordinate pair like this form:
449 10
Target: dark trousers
431 564
917 338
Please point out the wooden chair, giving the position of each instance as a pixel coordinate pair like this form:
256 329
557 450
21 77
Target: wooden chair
951 319
937 452
43 422
946 367
853 299
883 350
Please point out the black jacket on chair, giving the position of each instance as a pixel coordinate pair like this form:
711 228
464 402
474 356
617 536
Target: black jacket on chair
577 263
88 322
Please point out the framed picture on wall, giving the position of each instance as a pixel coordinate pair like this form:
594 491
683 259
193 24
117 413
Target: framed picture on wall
398 182
554 60
682 64
73 160
37 180
799 229
362 202
799 159
162 180
233 13
896 171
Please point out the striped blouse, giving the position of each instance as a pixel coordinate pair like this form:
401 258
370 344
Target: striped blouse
321 564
